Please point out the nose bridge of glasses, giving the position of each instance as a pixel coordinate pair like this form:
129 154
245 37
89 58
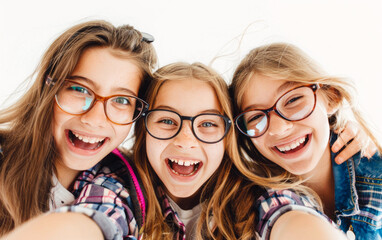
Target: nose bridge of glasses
187 125
95 115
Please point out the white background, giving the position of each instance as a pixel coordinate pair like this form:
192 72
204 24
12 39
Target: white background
345 37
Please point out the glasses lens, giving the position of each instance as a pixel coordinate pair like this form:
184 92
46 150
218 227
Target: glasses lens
296 104
209 127
252 123
74 98
162 124
123 109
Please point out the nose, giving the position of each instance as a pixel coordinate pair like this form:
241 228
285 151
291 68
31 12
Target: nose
186 138
278 125
96 117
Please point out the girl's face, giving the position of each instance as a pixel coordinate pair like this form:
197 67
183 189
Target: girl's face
183 163
83 140
295 146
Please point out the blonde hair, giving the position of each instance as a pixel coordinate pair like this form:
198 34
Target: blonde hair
29 152
225 196
287 62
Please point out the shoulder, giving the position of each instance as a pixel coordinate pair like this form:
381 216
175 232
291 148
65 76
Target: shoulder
114 183
275 203
370 168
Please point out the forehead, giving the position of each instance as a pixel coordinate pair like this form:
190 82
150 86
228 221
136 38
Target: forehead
263 90
187 96
104 70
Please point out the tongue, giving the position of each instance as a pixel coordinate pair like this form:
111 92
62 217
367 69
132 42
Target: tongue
184 170
83 145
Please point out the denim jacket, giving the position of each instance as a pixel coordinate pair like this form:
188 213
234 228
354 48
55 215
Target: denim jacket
358 195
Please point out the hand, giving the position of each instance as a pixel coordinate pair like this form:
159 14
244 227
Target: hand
352 138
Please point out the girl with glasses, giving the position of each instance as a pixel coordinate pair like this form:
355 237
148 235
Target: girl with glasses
288 111
188 160
79 109
186 155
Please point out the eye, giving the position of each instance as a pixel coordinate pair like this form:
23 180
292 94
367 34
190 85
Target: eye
167 121
293 100
255 118
208 124
79 89
122 100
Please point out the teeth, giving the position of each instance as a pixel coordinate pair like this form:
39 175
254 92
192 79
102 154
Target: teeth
88 139
184 162
293 145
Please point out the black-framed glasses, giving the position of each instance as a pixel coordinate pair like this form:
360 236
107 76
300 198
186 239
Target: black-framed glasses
77 99
165 124
294 105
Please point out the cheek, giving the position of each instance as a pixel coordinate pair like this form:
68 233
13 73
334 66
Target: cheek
59 119
259 144
154 149
215 154
121 132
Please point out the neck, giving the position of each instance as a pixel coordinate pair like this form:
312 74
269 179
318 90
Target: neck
65 175
321 180
188 202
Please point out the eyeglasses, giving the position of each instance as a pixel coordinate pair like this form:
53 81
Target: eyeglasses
296 104
207 127
76 99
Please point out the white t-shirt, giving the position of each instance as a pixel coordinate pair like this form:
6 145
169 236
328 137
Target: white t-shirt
188 217
59 195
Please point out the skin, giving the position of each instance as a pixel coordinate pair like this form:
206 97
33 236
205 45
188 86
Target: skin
288 226
176 95
264 91
189 98
106 74
58 226
313 161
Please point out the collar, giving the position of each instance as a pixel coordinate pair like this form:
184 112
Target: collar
346 197
171 217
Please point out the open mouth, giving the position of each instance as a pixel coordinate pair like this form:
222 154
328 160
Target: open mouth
85 142
294 146
184 168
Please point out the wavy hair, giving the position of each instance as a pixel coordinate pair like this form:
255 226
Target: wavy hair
29 152
287 62
225 196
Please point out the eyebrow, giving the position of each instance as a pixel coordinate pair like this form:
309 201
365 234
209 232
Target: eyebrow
96 86
281 89
173 109
286 86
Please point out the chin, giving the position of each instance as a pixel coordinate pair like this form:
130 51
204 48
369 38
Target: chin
301 168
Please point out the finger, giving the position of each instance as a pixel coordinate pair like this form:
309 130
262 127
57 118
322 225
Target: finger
351 149
348 133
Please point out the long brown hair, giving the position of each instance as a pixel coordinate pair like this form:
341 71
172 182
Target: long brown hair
286 61
225 196
29 152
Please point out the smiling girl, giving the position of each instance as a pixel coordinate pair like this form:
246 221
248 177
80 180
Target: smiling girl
187 157
289 109
78 110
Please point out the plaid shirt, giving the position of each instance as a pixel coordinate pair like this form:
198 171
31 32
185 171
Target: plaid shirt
171 217
110 194
274 203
